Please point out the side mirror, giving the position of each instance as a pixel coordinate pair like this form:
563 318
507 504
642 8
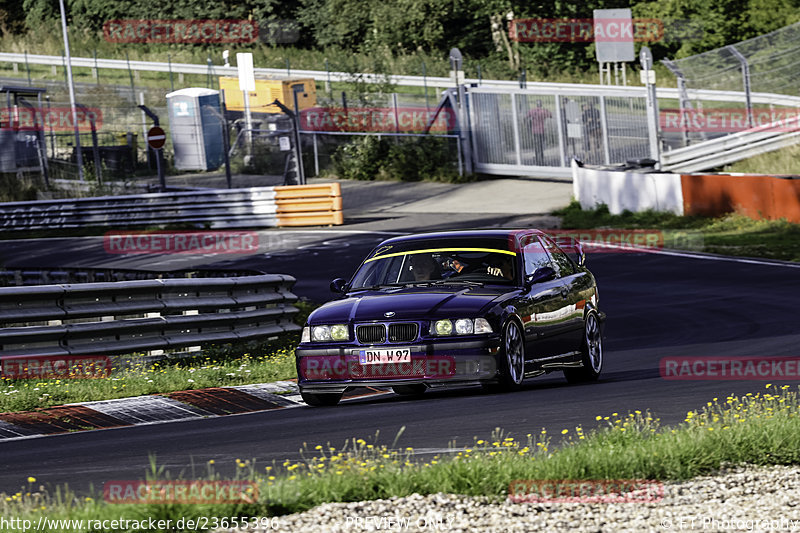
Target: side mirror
544 273
338 285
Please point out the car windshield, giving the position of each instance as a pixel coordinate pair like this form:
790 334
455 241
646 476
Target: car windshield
439 264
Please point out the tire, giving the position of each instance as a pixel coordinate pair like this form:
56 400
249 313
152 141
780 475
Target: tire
512 364
321 399
410 390
591 353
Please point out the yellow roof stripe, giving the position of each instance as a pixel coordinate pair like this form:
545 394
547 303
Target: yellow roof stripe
441 250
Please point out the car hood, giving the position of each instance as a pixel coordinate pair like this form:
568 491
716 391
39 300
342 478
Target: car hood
410 303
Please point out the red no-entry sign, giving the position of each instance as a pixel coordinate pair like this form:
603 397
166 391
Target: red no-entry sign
156 137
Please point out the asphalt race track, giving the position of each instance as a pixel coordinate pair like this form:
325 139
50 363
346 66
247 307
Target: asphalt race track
658 306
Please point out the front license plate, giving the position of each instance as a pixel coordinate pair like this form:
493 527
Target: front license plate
384 356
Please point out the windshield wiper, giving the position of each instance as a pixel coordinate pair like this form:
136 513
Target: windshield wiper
458 281
378 287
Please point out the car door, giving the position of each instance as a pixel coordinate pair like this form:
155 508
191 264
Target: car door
572 285
540 304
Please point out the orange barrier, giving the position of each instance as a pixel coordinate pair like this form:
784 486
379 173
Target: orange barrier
309 205
757 196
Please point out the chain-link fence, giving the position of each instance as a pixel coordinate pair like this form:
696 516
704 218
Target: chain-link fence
764 64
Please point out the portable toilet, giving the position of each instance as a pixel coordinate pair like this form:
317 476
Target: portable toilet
196 128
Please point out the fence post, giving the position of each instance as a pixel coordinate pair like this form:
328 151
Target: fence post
208 75
480 75
515 121
169 66
604 130
288 68
316 156
562 149
28 68
130 75
396 113
646 59
745 82
328 82
95 70
425 84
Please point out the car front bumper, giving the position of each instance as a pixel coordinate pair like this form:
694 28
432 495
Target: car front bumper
331 368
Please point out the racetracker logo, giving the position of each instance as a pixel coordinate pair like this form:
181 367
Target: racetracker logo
609 240
180 492
180 31
730 368
535 30
585 491
726 120
378 366
49 119
56 367
182 242
377 119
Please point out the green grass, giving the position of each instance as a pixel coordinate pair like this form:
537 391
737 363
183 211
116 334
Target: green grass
760 429
141 379
732 234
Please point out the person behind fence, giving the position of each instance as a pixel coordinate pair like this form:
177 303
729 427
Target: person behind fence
591 122
537 117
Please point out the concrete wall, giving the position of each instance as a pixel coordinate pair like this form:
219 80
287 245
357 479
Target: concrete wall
634 191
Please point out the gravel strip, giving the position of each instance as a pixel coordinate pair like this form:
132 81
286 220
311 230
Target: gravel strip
744 498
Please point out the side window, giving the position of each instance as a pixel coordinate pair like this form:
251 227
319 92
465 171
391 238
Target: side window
561 262
535 256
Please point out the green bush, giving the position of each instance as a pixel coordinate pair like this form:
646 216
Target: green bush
384 158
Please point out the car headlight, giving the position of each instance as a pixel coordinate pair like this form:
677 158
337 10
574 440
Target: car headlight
443 327
305 336
335 332
462 326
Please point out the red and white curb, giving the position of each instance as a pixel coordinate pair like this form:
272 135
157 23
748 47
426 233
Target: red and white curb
158 408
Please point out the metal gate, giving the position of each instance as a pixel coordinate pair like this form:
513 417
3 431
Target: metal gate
537 132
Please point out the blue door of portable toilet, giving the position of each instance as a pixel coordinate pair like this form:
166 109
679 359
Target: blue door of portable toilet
196 128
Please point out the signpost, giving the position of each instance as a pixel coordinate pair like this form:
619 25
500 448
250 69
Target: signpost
613 41
247 84
156 138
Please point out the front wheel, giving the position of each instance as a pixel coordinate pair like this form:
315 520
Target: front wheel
591 353
321 399
512 365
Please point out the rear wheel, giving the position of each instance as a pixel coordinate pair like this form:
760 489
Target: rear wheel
591 353
410 390
512 365
320 399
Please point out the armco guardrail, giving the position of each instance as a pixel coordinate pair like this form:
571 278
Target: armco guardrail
18 277
291 205
729 149
408 81
150 315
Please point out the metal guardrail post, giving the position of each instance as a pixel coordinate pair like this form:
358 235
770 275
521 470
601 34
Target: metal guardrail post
516 122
